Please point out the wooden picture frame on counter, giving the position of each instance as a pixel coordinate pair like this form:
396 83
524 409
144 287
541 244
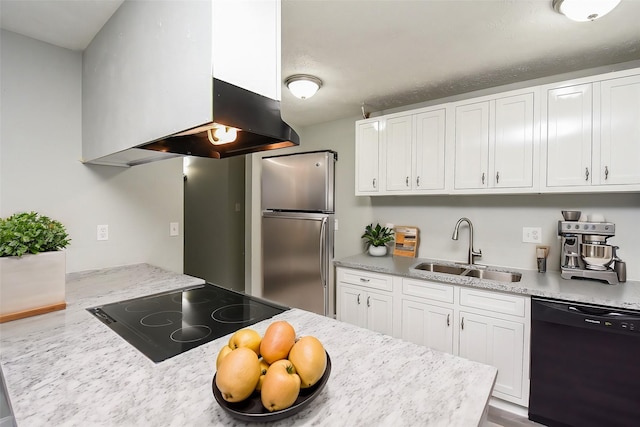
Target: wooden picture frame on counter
406 241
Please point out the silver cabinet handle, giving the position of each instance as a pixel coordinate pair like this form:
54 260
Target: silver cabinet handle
374 183
418 181
586 174
462 324
368 301
448 320
358 299
482 178
406 181
363 280
606 173
497 177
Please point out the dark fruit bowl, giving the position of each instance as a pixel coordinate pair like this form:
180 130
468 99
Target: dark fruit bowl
251 409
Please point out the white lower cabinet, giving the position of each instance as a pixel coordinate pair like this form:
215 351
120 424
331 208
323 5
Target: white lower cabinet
495 342
428 325
367 303
483 326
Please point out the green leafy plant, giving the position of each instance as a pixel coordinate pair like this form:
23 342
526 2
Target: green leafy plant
31 233
377 236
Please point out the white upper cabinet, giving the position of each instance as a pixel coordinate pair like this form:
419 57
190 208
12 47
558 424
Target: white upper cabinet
428 159
367 157
592 134
569 124
494 143
397 154
620 131
414 152
574 136
513 143
472 145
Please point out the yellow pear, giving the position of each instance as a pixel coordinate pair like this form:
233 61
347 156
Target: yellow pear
238 374
281 386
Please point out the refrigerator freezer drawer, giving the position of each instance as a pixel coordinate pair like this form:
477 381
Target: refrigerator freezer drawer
296 254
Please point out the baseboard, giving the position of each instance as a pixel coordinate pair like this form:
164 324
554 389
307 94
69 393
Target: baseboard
521 411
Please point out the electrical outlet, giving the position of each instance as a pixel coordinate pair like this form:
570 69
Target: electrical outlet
531 235
103 232
335 224
174 229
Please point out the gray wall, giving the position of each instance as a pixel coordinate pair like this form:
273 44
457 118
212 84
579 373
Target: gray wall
40 170
214 220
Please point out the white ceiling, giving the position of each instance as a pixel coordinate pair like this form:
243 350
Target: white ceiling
391 53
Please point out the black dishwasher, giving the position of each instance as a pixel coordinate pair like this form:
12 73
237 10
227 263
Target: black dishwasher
585 365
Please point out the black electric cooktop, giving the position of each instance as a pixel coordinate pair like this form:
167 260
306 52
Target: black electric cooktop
167 324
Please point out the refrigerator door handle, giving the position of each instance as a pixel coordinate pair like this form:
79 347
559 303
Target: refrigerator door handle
323 273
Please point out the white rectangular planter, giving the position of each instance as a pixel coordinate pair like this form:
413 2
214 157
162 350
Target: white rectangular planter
31 285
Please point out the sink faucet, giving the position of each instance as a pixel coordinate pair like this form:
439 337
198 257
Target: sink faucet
472 253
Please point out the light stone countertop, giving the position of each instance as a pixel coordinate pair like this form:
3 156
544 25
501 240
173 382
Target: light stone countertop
550 284
69 369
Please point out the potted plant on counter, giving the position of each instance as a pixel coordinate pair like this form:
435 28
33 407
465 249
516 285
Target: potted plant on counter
376 239
32 265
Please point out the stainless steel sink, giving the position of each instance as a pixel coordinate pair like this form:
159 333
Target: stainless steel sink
440 268
479 272
500 276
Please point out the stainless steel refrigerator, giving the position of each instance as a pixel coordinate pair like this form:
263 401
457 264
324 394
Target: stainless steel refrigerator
298 229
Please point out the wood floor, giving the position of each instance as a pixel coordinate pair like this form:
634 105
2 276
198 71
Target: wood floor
500 418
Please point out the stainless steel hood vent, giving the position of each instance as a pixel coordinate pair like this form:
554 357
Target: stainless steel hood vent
257 118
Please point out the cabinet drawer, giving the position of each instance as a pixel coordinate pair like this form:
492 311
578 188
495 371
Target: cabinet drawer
365 278
491 301
429 290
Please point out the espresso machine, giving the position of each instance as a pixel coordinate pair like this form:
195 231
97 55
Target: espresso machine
585 253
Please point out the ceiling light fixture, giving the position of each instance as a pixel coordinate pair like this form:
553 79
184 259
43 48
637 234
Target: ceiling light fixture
584 10
303 86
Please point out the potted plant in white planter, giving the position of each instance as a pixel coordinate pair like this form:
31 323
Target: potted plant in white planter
376 239
32 265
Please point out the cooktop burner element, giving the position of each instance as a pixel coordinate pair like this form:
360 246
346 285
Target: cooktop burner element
167 324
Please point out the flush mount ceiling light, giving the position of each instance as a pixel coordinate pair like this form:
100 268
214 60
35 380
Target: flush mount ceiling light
584 10
303 86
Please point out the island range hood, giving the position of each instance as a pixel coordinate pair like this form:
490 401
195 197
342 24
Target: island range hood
198 78
253 119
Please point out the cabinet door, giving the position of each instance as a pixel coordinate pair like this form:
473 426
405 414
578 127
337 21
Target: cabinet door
569 126
620 131
397 153
496 342
380 312
512 148
472 145
367 155
428 325
351 307
429 147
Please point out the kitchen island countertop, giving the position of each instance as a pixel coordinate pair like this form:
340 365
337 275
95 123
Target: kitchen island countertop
67 368
550 284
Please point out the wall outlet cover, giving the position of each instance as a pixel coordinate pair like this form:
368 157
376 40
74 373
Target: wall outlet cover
103 232
174 229
531 234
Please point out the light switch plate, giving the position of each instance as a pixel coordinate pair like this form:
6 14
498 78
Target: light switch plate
531 234
174 229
